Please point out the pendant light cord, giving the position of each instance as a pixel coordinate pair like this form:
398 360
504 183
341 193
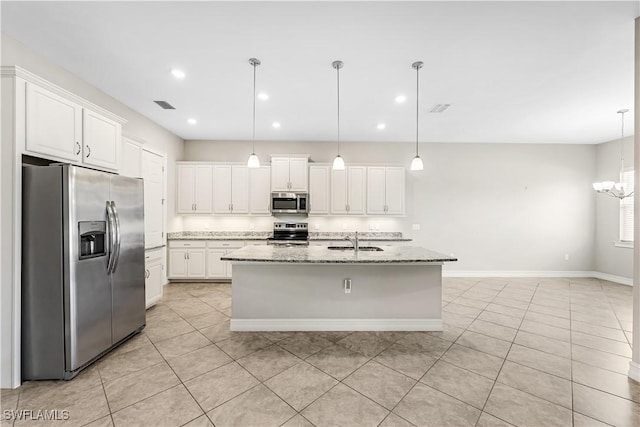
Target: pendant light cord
338 77
417 106
253 135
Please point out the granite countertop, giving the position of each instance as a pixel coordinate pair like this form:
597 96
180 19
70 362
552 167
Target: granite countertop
322 255
379 236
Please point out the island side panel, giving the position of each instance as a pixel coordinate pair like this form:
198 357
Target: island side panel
288 296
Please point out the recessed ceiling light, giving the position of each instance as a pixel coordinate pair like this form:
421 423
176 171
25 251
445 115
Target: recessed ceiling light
178 74
263 96
381 126
400 99
192 121
275 125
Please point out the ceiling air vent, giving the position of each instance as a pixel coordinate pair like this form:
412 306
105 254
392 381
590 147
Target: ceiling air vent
165 105
439 108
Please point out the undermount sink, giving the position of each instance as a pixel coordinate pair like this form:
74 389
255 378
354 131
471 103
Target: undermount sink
350 248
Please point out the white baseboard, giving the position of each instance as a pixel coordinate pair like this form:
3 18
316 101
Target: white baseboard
246 325
634 371
509 273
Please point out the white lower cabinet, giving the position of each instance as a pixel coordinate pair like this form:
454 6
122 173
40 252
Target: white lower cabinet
216 268
187 259
153 276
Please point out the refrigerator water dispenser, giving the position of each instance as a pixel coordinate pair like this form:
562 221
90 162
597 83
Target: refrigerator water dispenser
92 239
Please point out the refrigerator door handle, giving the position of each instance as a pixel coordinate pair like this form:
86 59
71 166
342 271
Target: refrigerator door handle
112 238
117 242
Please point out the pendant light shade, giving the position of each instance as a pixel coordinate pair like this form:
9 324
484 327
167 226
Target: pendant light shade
338 162
416 163
254 161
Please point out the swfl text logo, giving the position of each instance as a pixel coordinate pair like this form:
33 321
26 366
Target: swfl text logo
36 415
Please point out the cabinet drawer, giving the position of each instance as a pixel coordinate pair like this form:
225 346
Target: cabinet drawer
221 244
188 244
153 255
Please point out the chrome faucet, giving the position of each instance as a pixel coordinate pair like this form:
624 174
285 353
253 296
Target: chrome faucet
354 241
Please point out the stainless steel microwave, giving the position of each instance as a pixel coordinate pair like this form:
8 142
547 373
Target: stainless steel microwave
289 203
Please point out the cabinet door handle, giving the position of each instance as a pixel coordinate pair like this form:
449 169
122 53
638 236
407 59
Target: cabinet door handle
146 274
185 255
79 148
88 151
231 207
188 255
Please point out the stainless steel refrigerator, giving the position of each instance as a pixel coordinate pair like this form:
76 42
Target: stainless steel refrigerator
83 287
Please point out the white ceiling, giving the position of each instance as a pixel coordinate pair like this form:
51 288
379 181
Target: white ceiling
541 72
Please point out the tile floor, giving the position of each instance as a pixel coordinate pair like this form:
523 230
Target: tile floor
530 352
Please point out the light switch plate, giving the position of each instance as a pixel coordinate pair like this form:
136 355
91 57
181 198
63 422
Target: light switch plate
317 226
415 227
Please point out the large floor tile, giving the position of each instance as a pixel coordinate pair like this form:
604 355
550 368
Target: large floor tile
484 343
500 319
448 333
546 330
220 385
167 329
602 344
545 386
463 310
425 343
493 330
337 361
366 343
599 331
546 319
604 380
9 398
256 407
425 406
605 407
379 383
474 361
580 420
173 407
409 361
269 361
542 343
117 365
301 384
488 420
342 406
240 344
459 383
297 421
600 359
198 362
217 332
182 344
304 345
541 361
132 388
520 408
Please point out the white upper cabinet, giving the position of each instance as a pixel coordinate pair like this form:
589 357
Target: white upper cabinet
102 141
319 189
153 176
348 191
289 174
260 190
385 191
64 128
131 164
54 124
194 188
230 189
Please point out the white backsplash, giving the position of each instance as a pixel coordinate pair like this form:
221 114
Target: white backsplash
316 223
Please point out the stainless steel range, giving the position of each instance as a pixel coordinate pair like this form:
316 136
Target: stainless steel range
289 234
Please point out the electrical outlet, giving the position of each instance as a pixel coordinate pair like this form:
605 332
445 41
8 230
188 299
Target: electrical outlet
415 227
317 226
344 226
251 226
347 286
377 226
371 226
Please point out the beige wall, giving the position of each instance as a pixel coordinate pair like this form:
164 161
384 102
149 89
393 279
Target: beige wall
497 207
609 258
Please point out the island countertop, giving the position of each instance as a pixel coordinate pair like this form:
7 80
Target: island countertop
323 255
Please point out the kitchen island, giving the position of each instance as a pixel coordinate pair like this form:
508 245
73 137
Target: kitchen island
314 288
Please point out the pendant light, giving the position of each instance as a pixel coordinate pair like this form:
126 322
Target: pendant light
338 162
616 189
416 163
254 161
